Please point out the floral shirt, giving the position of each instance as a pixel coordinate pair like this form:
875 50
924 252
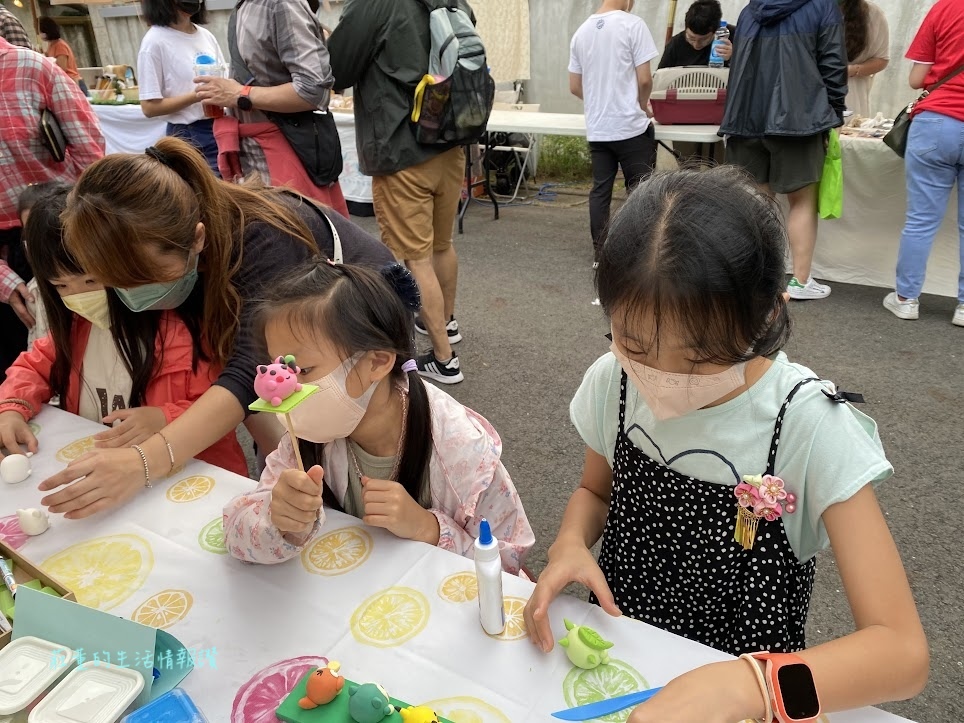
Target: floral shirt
468 483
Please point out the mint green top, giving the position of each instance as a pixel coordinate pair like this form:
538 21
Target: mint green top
828 451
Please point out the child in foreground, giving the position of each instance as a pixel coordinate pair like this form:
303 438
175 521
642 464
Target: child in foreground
377 442
716 469
104 362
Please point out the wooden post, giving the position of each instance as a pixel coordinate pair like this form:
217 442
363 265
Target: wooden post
671 21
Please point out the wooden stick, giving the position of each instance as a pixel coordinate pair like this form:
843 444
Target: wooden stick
672 20
294 442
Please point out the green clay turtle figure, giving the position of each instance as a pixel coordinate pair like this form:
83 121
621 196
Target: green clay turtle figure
585 647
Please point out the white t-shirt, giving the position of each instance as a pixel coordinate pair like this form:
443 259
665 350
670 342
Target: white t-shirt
827 452
165 66
605 51
105 384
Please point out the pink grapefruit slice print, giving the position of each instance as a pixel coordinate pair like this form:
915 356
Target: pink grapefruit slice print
11 533
257 700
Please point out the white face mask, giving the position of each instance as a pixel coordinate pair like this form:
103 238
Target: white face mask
673 395
331 413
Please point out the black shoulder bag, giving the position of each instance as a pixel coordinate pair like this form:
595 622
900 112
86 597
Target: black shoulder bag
52 136
312 134
896 139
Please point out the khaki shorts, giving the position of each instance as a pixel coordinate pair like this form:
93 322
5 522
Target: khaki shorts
416 207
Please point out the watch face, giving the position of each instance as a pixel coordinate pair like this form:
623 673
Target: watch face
799 692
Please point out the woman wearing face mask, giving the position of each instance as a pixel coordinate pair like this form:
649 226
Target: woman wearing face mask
165 66
102 360
377 442
179 238
716 469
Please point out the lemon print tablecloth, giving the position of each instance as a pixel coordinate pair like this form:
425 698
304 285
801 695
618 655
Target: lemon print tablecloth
399 613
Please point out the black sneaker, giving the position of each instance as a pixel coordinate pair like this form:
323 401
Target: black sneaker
432 368
452 329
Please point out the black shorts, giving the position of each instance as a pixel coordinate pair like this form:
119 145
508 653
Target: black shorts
785 163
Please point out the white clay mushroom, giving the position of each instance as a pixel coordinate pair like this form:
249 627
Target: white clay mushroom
14 468
33 521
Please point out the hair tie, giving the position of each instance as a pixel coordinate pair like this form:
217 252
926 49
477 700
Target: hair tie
404 284
410 366
158 155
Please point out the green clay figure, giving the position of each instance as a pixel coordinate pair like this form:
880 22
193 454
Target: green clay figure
584 646
368 703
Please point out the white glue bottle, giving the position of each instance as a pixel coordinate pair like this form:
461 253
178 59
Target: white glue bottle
488 571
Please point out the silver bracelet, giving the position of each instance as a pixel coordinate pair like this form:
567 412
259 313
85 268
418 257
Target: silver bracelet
170 450
147 471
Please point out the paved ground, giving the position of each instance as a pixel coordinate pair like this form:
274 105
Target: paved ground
531 332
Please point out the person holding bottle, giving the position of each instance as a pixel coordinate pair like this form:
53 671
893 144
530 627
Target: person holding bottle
171 48
694 44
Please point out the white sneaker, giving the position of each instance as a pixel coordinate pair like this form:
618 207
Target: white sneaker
810 290
909 309
958 319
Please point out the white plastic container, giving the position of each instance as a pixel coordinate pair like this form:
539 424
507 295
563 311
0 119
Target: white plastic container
92 693
488 571
28 667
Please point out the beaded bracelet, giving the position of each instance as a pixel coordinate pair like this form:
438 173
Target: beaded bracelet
170 450
147 471
761 681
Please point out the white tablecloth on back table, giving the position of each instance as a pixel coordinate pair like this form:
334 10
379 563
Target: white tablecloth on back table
126 129
254 616
861 247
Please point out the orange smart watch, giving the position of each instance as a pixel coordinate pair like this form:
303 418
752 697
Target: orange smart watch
793 693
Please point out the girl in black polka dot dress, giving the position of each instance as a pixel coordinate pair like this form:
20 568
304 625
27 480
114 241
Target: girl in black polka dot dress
716 469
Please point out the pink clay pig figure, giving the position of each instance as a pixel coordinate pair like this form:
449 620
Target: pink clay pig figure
276 382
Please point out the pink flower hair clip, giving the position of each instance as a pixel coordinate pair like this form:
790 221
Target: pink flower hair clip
760 497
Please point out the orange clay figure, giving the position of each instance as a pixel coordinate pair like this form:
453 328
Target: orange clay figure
324 685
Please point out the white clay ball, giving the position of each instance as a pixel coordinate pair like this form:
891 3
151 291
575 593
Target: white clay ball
14 468
33 521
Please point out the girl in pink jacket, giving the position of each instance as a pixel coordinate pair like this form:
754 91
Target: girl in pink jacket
377 442
103 361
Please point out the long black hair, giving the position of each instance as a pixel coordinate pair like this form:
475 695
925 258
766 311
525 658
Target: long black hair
360 310
704 251
49 27
135 334
856 15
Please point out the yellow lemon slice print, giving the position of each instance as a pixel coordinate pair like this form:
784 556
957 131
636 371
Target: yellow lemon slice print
515 624
190 489
337 552
103 572
464 709
390 618
164 609
459 588
211 537
76 449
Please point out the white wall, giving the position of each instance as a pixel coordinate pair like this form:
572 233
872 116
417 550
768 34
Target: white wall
552 23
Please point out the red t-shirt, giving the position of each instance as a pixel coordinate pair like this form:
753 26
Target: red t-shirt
940 43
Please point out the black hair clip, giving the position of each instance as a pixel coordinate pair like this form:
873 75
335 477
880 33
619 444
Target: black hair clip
158 155
404 284
841 397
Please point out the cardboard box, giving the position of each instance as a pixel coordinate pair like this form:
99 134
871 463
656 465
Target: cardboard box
24 571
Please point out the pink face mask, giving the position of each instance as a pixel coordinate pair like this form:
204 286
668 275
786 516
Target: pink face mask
673 395
331 413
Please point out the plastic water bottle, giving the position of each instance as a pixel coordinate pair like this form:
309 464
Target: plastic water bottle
207 65
721 35
488 572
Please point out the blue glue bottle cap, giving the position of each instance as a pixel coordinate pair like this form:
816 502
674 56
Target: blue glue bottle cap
205 60
485 533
